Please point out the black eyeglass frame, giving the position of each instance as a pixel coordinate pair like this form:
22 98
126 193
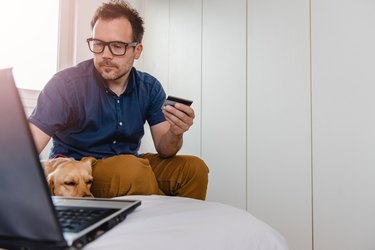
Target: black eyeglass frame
89 40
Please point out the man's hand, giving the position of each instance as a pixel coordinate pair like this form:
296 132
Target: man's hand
180 117
168 135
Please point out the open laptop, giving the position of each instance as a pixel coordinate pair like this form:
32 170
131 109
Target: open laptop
29 217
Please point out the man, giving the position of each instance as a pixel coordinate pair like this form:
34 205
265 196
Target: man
98 108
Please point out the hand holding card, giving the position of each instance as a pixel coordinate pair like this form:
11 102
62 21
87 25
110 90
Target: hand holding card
180 118
172 100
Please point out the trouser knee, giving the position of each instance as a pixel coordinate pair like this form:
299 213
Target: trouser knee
182 175
123 175
196 168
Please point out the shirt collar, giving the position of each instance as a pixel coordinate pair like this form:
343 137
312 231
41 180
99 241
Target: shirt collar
131 83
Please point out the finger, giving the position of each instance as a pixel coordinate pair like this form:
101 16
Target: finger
179 118
175 120
186 109
185 118
174 128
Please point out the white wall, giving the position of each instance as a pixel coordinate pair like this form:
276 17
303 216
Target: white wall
343 87
278 114
224 99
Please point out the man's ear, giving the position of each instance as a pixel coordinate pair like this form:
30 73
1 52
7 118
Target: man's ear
51 184
138 51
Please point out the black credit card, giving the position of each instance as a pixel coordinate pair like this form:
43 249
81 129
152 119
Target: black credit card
172 100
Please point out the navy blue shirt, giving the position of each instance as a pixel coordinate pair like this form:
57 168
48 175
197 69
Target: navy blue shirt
85 118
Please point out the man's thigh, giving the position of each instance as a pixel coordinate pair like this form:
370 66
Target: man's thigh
123 175
181 175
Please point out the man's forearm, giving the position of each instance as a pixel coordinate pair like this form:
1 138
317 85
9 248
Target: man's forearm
41 139
169 145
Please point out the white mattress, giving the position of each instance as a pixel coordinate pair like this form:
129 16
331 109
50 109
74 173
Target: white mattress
164 222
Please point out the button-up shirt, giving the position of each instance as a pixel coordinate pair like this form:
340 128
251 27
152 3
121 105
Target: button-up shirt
85 118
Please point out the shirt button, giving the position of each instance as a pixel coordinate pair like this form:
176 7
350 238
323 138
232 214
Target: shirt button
120 123
118 101
114 142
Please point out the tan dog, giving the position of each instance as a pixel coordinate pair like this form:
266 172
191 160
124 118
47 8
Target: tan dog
69 177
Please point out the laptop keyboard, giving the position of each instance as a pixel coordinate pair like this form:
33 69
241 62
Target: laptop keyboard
74 219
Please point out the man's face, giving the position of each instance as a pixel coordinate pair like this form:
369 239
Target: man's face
115 68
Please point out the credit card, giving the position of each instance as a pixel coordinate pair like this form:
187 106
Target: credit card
172 100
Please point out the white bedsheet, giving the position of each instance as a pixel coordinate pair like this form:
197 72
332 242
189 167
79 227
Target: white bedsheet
163 222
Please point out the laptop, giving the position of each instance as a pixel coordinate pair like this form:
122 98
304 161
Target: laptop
29 217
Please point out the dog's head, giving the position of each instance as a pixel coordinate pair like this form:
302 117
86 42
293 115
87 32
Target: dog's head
68 177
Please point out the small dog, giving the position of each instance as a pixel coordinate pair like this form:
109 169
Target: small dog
69 177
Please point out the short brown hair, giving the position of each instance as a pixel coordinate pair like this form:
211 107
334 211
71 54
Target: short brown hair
117 8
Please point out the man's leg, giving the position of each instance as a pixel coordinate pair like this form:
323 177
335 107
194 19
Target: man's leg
181 175
123 175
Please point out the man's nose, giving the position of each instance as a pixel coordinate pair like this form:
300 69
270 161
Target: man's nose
106 52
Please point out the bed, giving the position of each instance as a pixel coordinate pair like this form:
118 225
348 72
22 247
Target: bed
164 222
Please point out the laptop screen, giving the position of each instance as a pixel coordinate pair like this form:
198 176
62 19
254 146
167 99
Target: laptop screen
24 193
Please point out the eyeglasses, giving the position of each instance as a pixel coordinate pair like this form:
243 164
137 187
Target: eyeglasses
117 48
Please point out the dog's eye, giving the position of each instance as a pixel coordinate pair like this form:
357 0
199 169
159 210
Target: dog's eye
89 182
70 183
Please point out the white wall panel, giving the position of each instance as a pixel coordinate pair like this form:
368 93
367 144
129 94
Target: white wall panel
343 55
278 94
66 40
155 56
185 63
224 99
84 11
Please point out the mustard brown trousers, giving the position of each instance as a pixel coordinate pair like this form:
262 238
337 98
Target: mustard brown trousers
181 175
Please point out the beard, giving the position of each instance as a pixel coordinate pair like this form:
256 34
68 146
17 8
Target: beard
111 71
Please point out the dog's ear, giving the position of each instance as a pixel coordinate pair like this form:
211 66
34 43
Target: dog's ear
50 165
51 184
89 159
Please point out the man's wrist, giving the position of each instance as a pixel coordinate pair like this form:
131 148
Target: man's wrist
176 136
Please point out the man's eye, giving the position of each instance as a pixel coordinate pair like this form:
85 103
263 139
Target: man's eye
98 45
70 183
117 45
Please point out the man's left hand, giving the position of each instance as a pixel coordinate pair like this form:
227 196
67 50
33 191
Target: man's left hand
180 117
